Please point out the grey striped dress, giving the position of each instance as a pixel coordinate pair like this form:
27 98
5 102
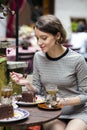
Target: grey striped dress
69 73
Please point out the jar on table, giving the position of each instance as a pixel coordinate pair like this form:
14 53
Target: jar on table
6 94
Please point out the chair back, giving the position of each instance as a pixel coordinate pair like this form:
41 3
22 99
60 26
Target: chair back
25 56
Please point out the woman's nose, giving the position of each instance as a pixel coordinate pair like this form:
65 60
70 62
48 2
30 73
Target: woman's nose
40 42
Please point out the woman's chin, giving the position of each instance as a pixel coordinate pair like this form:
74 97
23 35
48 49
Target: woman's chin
44 50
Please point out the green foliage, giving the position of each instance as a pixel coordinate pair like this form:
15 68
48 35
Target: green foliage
3 72
74 26
16 88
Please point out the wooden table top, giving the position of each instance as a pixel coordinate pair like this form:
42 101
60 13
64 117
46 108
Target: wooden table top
37 117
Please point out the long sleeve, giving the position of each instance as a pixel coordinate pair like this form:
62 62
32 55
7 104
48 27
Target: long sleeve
36 76
81 71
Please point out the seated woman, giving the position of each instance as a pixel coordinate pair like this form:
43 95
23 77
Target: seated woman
67 69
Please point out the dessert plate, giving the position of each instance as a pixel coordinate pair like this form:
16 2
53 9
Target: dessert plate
38 99
44 106
19 114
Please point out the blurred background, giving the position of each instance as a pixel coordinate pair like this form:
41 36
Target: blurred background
68 11
17 18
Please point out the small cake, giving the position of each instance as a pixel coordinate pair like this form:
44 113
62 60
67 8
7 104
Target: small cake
6 111
28 96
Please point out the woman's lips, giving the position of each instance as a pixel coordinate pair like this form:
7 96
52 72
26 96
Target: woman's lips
42 47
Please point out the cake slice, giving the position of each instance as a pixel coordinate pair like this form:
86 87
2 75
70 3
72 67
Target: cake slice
6 111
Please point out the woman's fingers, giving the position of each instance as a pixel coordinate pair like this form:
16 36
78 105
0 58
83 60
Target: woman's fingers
20 80
14 74
16 77
23 81
19 75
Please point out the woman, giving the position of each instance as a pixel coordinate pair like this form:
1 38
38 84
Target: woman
56 64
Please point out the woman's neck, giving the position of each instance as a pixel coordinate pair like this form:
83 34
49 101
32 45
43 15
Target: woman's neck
57 51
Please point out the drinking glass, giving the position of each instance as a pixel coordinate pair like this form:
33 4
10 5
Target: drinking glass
6 95
51 94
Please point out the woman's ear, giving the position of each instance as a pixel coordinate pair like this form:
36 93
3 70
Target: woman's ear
58 36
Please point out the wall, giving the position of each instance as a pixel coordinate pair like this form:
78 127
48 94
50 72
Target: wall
65 9
3 25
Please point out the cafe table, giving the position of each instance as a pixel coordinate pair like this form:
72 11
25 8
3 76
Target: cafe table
11 52
37 116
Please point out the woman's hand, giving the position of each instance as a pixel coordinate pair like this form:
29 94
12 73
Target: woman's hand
18 78
21 80
73 101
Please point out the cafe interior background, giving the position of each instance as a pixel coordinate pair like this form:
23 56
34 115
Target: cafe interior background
16 30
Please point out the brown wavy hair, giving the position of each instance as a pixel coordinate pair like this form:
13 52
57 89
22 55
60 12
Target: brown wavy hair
51 24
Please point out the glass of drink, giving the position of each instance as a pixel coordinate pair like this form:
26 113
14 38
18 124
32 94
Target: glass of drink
51 94
6 95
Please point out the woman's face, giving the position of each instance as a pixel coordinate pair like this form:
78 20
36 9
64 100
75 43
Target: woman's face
46 41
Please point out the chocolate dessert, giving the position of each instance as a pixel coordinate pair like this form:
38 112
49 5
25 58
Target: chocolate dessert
28 96
6 111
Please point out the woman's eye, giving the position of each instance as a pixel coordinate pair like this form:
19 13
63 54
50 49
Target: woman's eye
44 38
